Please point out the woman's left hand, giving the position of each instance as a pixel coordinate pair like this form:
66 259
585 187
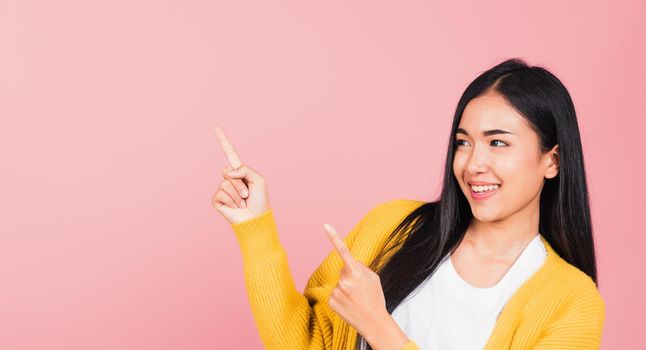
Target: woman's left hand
358 297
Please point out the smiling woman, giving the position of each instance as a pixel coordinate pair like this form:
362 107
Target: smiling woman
503 259
508 152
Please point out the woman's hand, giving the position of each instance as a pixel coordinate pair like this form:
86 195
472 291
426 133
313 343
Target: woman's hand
359 300
242 195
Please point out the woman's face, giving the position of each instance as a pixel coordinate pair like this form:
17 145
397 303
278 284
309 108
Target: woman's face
507 155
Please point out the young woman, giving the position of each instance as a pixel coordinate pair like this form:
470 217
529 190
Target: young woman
503 259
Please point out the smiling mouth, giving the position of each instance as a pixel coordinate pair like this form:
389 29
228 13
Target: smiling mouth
484 191
483 188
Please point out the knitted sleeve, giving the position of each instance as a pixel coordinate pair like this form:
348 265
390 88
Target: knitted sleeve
578 326
285 318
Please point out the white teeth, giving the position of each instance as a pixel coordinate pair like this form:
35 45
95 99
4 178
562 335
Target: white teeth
484 188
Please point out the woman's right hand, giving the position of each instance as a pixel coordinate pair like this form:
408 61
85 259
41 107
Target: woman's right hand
242 194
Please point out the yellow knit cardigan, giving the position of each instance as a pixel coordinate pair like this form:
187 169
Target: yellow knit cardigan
558 307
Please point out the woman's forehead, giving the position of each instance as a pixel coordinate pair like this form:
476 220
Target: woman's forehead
489 112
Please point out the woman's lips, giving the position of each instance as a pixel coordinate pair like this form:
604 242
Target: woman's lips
480 196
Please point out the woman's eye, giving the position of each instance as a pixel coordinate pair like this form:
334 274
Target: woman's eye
458 143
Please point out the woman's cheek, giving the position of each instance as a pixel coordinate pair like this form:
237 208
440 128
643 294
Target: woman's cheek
517 178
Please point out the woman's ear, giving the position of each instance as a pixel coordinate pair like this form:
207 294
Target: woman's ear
553 163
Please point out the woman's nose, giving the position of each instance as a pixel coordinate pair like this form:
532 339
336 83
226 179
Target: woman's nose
478 161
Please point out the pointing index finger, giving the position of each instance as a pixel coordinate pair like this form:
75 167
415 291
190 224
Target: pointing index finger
226 146
340 246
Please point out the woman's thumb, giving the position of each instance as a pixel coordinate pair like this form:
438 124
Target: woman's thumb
222 208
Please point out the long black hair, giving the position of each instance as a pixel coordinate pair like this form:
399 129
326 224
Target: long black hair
436 228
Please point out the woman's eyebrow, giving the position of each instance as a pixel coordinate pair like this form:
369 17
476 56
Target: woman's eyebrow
486 132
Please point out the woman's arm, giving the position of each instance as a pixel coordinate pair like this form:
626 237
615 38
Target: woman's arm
287 319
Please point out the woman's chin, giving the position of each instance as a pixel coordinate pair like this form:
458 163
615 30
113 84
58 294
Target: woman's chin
485 214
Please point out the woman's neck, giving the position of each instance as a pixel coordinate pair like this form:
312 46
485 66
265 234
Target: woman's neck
502 239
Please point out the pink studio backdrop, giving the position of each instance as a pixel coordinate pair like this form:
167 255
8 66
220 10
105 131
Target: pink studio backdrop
108 158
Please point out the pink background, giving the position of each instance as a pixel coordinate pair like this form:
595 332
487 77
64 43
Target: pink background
108 158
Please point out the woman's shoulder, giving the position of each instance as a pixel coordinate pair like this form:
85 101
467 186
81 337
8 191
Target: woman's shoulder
580 283
573 277
581 287
376 226
390 213
579 298
575 287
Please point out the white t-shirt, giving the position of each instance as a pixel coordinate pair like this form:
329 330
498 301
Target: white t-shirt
445 312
